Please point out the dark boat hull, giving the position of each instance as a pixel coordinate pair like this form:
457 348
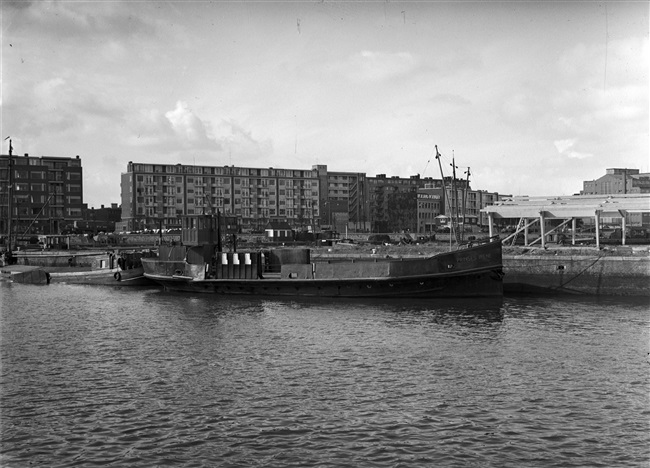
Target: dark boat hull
478 284
472 272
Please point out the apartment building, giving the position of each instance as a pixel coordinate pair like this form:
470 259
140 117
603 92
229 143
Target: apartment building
154 195
343 199
44 194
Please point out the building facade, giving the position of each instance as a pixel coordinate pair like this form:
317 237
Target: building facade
343 199
458 203
618 181
621 181
155 195
39 195
430 208
96 220
394 202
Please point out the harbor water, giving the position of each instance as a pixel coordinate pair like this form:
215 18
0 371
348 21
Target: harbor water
109 376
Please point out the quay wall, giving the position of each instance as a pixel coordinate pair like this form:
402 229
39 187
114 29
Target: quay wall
584 274
610 271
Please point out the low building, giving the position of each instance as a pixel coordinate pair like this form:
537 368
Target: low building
279 231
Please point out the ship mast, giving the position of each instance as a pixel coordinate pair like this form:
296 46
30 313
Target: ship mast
444 188
455 214
10 193
465 190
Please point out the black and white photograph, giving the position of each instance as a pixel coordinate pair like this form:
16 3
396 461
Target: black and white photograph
324 233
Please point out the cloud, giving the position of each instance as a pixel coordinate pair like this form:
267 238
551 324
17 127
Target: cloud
186 124
70 20
181 132
379 66
564 148
175 131
240 141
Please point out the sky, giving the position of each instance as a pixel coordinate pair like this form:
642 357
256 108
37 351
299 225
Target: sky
533 97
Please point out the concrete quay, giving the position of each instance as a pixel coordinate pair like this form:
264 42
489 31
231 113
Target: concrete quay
556 270
598 273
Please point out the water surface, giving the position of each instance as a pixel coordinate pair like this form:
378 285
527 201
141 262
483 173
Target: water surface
102 376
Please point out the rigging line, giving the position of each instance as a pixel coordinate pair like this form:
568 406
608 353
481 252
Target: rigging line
428 161
598 258
606 46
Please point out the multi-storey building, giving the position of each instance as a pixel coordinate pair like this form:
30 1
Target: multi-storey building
430 201
44 194
617 181
484 198
343 199
393 202
455 202
156 194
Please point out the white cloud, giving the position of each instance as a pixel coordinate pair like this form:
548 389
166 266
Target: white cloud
564 148
185 123
564 145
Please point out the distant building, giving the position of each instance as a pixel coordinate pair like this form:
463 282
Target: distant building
439 205
618 181
343 198
430 209
155 195
104 219
47 198
46 194
279 231
393 202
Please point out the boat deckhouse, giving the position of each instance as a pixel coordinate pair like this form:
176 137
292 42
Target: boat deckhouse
565 209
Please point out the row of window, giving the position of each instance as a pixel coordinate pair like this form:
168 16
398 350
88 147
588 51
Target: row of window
243 212
226 170
22 210
153 180
21 174
219 202
26 187
51 165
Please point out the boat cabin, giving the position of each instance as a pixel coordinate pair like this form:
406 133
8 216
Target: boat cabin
199 230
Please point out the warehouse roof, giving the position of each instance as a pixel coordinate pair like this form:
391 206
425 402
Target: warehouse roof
573 206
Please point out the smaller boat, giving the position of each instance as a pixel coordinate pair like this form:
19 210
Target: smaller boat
82 267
